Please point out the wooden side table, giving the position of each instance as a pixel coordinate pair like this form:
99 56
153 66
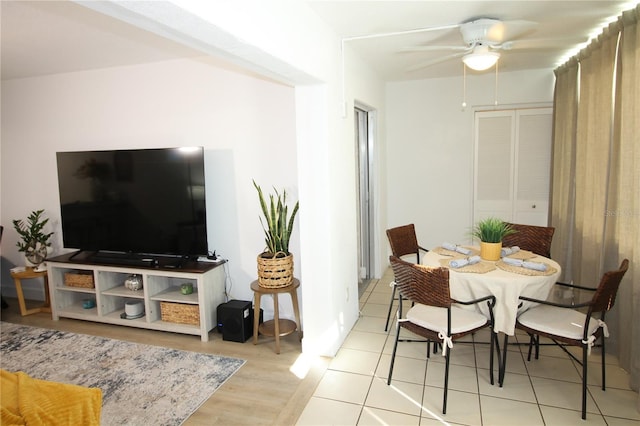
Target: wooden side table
276 327
30 273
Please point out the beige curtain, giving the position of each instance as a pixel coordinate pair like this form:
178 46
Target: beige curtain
593 135
564 162
623 225
596 176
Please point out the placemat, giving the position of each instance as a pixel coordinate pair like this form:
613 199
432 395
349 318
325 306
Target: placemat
522 255
525 271
481 267
451 253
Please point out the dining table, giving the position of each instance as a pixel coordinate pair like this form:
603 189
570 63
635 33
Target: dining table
517 273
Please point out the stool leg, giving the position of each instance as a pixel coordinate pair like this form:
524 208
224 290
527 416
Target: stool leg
276 322
23 306
296 311
256 316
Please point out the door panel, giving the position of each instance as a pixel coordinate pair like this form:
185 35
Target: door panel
533 159
493 165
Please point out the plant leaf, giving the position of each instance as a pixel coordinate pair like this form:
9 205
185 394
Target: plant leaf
277 225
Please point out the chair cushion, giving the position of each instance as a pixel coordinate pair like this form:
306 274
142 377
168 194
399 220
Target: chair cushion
434 318
563 322
411 258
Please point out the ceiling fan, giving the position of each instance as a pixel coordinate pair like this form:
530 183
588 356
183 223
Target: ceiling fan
483 38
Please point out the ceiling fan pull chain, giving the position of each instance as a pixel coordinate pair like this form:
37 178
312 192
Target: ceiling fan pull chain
495 102
464 86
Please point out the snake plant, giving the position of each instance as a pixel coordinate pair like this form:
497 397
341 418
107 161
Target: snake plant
277 224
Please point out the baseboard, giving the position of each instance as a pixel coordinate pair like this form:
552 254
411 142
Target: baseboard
29 293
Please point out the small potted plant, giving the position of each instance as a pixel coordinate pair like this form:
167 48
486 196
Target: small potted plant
490 232
275 263
34 241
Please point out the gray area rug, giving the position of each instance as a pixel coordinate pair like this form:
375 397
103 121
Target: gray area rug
141 384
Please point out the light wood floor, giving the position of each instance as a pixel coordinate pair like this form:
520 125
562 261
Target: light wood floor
263 392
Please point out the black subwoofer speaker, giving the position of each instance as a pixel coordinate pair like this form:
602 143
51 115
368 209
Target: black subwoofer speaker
235 320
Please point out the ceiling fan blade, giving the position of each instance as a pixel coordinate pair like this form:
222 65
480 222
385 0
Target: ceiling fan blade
540 43
434 62
509 30
432 48
397 33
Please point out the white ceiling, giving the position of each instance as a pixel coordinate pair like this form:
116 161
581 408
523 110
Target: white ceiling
566 23
46 37
49 37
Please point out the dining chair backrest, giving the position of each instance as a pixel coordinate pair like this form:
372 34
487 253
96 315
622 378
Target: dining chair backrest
403 241
422 284
605 296
536 239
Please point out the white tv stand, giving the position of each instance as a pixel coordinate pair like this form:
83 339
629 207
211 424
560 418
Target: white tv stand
161 283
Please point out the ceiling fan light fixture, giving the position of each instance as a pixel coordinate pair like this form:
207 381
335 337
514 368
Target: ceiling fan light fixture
481 60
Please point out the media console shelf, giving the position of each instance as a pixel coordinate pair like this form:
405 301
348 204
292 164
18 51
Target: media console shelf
161 283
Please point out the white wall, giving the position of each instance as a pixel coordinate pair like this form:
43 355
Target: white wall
239 120
430 147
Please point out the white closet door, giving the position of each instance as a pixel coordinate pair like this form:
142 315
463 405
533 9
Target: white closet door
513 165
494 151
533 166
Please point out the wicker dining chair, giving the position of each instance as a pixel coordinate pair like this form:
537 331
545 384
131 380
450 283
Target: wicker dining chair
403 242
565 325
434 315
536 239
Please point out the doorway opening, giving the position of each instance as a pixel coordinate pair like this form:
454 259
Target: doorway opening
364 135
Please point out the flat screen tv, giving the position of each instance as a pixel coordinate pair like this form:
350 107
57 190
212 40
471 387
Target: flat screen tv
138 201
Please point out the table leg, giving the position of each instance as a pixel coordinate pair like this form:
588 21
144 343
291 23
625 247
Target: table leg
276 320
256 316
296 311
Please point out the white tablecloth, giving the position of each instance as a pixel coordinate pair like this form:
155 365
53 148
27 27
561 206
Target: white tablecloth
505 286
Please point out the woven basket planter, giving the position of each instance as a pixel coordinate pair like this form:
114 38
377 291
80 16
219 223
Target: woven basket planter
275 272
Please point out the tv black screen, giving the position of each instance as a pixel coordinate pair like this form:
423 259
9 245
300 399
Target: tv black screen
143 201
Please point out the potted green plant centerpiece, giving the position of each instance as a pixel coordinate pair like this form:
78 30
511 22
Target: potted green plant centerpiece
275 263
490 232
34 241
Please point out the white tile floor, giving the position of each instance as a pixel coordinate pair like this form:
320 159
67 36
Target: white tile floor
546 391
